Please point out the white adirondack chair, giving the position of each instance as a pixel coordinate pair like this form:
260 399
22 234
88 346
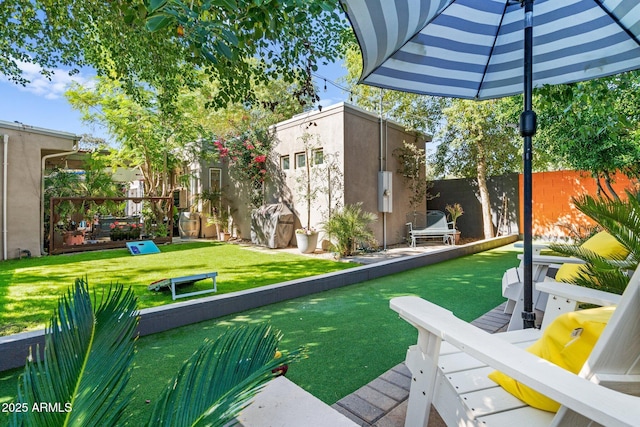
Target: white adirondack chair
452 358
513 285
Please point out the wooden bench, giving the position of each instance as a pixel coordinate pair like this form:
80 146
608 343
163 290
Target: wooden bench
432 225
171 283
452 358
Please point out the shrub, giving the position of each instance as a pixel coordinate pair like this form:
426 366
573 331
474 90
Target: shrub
348 226
621 219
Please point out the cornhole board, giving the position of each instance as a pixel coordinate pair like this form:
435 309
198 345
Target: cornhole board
143 247
171 283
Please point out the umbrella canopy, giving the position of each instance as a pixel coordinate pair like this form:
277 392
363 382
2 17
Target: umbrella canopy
474 48
484 49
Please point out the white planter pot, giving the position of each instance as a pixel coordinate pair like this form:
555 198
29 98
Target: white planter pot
307 243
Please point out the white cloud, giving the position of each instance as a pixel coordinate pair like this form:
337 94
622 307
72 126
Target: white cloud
54 87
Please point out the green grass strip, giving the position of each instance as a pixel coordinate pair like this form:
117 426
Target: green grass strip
30 288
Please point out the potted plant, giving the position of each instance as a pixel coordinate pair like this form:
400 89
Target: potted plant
307 237
222 221
212 199
455 211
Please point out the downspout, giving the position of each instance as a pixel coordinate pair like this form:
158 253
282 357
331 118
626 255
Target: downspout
382 168
5 166
44 161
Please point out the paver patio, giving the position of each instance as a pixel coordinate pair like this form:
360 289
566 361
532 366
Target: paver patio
383 402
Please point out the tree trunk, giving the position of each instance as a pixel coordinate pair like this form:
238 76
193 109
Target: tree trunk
484 192
607 181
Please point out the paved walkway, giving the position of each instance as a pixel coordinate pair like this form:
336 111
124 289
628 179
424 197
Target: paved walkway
383 402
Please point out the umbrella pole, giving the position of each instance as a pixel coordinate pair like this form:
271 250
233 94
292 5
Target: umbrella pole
527 130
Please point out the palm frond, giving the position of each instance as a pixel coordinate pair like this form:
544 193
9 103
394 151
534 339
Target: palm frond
605 274
621 219
348 226
220 378
86 363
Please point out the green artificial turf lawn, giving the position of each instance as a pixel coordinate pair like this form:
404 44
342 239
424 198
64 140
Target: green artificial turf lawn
30 288
350 334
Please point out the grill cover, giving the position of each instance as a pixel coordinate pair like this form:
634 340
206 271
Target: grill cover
272 226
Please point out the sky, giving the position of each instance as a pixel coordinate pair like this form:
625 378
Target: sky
42 103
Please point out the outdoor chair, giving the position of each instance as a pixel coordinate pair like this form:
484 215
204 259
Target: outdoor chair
433 225
567 268
451 361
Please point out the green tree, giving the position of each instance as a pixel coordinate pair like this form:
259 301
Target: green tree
412 167
478 141
593 126
155 140
165 44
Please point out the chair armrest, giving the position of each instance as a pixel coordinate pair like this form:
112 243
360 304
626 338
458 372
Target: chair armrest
553 259
578 293
598 403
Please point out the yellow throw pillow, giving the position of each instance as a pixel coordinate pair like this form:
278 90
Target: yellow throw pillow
567 342
603 244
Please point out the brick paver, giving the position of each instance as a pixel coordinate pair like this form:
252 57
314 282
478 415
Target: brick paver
383 402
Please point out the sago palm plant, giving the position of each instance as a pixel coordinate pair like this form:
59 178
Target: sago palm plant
348 226
87 364
621 219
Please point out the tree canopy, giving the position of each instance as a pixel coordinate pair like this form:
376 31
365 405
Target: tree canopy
165 44
593 126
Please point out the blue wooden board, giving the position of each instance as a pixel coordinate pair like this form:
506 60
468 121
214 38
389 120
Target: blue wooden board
143 247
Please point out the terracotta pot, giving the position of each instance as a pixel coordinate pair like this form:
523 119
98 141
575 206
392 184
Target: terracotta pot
72 238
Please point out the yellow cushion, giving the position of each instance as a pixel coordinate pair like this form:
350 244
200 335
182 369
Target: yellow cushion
603 244
567 342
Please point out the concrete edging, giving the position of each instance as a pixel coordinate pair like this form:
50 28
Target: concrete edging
16 348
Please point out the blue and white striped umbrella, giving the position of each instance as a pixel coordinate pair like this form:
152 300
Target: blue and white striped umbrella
474 48
483 49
